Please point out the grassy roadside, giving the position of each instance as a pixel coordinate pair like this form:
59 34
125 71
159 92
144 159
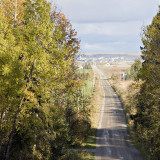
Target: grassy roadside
87 76
96 96
78 155
95 107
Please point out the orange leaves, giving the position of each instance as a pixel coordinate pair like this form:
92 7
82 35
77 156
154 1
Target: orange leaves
68 34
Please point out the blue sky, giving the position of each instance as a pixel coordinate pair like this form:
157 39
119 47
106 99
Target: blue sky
108 26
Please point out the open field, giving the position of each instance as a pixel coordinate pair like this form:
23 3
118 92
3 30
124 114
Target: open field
114 71
114 75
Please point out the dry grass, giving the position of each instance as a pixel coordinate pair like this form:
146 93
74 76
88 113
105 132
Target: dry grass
96 103
114 74
114 71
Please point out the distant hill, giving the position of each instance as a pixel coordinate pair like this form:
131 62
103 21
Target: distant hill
131 56
118 53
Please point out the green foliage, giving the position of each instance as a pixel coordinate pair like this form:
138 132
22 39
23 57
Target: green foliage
72 155
147 119
87 76
41 99
134 69
87 66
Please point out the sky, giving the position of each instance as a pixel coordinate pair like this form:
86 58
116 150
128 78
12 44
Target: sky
109 26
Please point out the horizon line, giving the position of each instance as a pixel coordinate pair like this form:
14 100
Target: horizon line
120 53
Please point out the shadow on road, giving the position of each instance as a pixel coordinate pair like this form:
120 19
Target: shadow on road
114 144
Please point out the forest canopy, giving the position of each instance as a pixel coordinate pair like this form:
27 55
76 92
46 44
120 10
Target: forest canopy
40 93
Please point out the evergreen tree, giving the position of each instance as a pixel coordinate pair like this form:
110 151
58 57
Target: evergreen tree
147 122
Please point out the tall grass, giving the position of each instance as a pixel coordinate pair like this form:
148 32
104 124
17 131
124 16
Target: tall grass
87 89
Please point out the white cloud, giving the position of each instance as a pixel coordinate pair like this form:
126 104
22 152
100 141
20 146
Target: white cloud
110 47
108 10
110 37
109 25
92 47
110 28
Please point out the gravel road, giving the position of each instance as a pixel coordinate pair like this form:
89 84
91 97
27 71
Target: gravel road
112 138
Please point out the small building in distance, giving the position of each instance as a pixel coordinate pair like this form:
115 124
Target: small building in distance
124 76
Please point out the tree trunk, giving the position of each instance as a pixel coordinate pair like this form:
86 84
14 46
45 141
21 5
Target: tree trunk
15 13
16 115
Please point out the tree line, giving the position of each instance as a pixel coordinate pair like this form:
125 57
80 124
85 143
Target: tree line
147 99
147 119
42 108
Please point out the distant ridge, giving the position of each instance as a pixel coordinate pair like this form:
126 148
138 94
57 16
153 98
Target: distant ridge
118 53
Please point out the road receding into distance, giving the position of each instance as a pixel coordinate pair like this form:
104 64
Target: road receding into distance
112 139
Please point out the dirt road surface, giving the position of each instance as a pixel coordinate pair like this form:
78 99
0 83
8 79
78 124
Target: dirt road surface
112 141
